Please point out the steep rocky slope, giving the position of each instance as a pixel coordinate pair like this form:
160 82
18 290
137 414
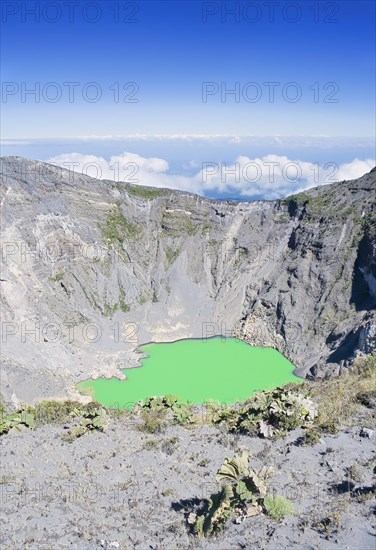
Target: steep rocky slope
91 268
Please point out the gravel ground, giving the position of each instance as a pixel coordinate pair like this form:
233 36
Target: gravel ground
131 490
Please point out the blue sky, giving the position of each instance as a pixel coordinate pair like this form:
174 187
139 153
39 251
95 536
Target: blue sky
322 65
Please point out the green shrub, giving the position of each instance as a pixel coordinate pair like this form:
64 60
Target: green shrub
270 413
277 507
241 496
17 421
54 412
93 417
169 404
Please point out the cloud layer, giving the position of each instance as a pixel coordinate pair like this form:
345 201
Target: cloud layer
267 177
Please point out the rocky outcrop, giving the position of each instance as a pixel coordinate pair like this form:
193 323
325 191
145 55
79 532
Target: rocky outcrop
92 268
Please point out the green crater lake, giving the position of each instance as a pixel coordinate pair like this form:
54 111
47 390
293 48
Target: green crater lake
224 370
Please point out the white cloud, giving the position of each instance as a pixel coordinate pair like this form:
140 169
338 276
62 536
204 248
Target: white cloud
273 176
268 177
128 167
354 169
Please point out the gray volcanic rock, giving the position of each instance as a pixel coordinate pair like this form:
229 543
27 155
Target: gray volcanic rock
91 268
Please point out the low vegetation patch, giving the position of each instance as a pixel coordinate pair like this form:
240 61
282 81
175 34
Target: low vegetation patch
321 205
341 398
328 524
278 507
301 199
91 418
55 412
56 278
271 413
147 193
16 422
124 307
155 410
266 414
171 255
153 421
86 417
116 228
178 223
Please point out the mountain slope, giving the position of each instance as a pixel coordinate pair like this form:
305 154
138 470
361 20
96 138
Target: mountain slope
95 267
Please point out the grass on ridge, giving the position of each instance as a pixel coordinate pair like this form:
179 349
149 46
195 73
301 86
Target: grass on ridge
343 397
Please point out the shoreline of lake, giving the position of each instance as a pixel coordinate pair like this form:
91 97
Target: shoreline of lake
212 375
